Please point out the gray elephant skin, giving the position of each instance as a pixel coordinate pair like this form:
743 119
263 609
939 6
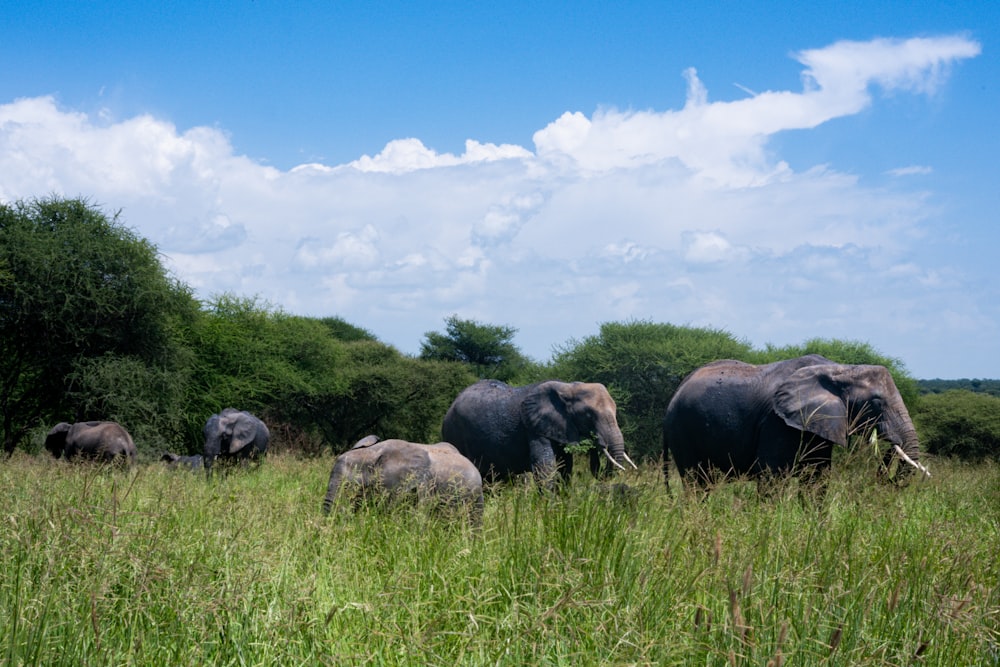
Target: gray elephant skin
234 435
178 461
397 468
102 441
733 418
506 431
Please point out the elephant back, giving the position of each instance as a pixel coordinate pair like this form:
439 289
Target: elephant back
484 424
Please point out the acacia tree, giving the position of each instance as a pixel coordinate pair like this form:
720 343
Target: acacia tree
78 292
487 348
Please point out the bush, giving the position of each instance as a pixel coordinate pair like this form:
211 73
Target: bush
960 423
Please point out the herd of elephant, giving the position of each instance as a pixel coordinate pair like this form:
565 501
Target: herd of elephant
231 435
726 419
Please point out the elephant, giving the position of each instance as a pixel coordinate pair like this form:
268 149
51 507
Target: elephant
234 435
395 468
506 431
102 441
186 462
782 419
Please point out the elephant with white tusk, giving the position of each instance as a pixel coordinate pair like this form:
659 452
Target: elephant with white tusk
508 430
733 418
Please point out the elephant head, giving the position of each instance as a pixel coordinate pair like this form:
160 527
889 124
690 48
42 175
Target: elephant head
569 412
834 401
55 440
234 434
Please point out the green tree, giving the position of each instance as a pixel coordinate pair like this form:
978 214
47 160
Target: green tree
251 356
316 382
77 287
345 331
392 396
642 363
488 349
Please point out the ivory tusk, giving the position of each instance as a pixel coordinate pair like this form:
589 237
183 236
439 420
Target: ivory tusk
630 462
903 455
610 458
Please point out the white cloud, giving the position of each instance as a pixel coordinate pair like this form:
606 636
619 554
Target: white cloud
912 170
348 251
679 215
402 155
710 248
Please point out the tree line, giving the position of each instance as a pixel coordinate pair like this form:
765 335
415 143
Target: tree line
92 326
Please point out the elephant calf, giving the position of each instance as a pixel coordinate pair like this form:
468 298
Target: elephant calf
186 462
395 468
101 441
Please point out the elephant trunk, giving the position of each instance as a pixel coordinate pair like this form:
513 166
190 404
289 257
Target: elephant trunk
336 478
899 430
908 450
612 443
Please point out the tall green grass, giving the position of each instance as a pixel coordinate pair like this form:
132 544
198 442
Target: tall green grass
160 567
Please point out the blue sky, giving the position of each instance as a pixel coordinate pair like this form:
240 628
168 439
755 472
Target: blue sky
781 170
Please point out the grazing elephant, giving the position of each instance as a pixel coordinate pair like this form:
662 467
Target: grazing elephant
234 435
395 468
734 418
105 442
507 430
186 462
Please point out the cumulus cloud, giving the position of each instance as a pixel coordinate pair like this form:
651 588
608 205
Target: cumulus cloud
402 155
680 215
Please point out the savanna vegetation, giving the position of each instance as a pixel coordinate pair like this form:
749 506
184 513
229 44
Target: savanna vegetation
160 567
975 385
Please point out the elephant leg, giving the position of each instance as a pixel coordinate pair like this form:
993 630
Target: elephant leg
565 463
543 462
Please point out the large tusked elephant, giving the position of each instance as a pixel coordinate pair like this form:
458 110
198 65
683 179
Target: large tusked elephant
508 430
102 441
396 468
734 418
234 435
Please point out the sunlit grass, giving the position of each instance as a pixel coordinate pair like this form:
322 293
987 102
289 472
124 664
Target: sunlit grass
160 567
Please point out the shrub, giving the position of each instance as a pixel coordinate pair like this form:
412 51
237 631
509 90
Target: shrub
960 423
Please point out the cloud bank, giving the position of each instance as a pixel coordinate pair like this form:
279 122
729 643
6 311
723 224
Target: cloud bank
681 215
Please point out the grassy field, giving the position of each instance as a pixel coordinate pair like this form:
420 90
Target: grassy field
160 567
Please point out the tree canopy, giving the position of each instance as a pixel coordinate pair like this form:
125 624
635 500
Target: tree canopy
488 349
78 291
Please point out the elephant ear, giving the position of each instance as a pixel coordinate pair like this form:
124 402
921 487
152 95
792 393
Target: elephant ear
244 431
544 412
807 400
